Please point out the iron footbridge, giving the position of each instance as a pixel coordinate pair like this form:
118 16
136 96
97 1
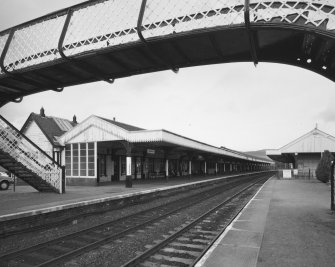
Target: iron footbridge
103 40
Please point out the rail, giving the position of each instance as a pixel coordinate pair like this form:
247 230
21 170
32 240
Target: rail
206 218
116 229
23 150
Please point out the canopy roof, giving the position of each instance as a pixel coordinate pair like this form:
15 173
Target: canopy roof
315 141
97 129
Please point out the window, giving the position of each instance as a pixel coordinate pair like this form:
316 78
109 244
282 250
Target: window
80 160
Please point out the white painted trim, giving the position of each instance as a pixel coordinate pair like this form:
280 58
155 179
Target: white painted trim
95 159
79 168
190 167
128 165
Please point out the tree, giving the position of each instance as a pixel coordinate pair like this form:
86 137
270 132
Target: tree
323 169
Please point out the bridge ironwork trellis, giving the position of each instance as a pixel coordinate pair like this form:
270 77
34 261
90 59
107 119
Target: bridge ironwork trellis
72 46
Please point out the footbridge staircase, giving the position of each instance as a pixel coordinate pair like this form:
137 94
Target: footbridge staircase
27 161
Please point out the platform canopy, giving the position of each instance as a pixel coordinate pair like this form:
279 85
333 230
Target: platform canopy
315 141
97 129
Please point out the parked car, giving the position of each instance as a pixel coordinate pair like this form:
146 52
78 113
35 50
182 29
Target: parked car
5 181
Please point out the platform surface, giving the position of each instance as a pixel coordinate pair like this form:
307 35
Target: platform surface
26 201
287 223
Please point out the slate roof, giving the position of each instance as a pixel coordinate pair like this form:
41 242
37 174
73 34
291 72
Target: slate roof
52 127
123 125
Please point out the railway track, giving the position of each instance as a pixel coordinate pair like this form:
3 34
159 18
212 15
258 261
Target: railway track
67 247
187 245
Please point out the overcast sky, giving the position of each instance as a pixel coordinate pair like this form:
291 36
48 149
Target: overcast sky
234 105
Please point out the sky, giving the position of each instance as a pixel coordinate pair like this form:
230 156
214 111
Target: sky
234 105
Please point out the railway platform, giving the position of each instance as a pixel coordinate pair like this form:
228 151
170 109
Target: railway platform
26 201
287 223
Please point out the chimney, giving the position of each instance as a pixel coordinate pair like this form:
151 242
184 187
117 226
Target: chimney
74 120
42 113
113 118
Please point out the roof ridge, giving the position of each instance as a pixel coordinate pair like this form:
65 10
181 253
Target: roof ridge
120 124
50 117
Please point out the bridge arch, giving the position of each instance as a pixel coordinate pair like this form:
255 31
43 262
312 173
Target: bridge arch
110 39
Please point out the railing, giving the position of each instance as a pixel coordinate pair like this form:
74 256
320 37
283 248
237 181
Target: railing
30 155
104 24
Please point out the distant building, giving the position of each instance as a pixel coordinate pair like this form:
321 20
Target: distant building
305 152
45 130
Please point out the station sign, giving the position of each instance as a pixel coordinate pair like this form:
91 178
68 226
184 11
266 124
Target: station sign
151 151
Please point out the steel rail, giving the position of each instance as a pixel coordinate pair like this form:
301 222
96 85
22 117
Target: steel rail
77 216
145 255
15 254
96 244
217 236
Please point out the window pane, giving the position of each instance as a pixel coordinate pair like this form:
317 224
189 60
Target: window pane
68 160
75 154
82 167
83 159
91 159
91 166
68 150
90 145
83 146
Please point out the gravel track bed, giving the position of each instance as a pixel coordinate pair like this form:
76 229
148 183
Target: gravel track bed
21 241
119 252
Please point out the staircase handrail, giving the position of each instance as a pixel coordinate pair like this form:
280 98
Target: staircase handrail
31 142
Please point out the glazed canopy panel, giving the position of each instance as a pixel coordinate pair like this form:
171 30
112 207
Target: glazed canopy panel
96 31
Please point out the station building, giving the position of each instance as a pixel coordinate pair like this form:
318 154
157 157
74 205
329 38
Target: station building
304 153
45 130
99 150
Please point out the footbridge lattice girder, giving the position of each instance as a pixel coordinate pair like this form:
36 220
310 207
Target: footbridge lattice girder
27 161
107 39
